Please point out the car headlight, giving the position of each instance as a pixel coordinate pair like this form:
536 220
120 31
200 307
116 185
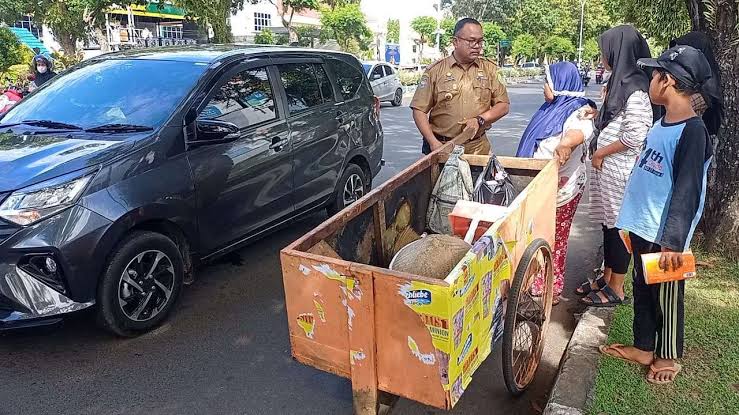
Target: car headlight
30 205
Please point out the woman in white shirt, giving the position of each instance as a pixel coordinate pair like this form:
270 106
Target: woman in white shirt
557 131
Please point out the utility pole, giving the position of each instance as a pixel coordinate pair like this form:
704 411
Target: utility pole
582 20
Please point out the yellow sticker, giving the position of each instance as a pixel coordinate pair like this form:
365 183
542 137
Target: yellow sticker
307 322
319 308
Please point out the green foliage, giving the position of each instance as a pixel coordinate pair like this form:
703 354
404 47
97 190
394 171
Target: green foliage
333 4
64 61
11 50
425 27
393 31
524 46
661 20
306 34
347 25
493 34
265 37
559 47
216 13
409 77
447 26
508 73
591 50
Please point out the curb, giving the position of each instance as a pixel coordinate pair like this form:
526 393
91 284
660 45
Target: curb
573 387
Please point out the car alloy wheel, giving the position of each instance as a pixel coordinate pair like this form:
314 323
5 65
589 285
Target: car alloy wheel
146 285
353 189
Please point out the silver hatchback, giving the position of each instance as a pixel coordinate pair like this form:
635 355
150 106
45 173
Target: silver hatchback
385 82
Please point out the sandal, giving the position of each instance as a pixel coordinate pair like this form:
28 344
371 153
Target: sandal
616 351
612 299
653 371
587 287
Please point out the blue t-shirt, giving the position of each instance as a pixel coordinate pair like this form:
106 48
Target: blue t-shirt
664 198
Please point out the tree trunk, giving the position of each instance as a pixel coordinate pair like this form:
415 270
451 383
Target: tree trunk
66 41
102 39
222 25
721 217
696 11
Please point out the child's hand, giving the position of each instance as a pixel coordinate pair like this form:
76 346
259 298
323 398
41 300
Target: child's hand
598 160
670 260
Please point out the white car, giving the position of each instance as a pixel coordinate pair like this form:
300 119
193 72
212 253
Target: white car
385 82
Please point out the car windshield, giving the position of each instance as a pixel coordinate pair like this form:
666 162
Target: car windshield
117 91
367 68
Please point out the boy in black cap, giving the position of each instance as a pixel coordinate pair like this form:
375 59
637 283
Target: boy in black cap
662 205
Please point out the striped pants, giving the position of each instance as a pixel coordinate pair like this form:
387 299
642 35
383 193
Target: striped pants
659 314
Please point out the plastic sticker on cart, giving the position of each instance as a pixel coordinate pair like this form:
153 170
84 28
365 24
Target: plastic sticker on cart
307 322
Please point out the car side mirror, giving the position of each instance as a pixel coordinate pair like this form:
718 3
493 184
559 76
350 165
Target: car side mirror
214 132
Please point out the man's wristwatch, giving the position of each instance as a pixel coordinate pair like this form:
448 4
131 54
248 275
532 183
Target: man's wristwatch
481 121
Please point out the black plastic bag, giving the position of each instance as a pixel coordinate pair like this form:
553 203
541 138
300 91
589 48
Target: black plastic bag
494 186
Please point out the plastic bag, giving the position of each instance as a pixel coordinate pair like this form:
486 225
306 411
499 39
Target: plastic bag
455 183
494 186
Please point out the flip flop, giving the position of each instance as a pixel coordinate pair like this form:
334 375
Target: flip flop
596 301
617 348
653 371
587 287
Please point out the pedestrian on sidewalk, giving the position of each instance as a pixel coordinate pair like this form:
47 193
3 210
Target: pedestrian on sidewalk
623 124
460 92
558 130
662 206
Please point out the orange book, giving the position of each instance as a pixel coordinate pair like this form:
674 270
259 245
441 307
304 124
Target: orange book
653 274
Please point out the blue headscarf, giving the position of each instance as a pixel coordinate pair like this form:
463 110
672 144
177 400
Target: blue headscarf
564 80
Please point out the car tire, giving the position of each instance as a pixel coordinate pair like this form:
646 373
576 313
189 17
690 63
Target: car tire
352 185
398 99
147 269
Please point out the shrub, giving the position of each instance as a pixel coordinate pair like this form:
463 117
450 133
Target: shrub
409 77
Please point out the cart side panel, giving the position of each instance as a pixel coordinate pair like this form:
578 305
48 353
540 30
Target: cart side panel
477 308
410 362
355 241
532 214
316 291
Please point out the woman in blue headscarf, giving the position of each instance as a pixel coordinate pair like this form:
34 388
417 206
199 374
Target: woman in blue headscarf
557 131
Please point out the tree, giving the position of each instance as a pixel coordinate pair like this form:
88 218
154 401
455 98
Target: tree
559 47
215 13
265 37
483 10
348 26
393 31
11 52
591 50
288 8
445 40
333 4
525 47
492 34
425 27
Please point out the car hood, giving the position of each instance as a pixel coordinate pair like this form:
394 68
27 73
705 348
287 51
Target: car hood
29 159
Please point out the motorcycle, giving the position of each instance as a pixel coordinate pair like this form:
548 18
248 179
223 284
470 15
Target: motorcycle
599 75
585 77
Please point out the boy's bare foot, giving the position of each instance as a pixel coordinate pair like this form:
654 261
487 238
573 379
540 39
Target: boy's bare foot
628 353
663 371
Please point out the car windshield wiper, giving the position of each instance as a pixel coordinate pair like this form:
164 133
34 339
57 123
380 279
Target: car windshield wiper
118 128
45 124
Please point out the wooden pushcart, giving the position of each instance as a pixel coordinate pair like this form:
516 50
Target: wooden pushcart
397 334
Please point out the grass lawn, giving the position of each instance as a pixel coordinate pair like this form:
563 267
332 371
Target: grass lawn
709 381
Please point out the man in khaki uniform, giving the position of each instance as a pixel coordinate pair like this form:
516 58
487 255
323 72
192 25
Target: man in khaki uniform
460 92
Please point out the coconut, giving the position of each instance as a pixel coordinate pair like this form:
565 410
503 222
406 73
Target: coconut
433 256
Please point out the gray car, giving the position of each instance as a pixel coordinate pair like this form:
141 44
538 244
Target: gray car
122 174
385 82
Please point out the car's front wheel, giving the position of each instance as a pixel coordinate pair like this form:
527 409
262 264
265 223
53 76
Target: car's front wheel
140 284
353 184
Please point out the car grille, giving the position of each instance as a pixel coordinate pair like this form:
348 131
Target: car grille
6 228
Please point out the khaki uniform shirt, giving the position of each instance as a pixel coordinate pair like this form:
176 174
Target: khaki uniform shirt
452 94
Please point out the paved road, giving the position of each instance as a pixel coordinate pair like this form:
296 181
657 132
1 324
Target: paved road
225 350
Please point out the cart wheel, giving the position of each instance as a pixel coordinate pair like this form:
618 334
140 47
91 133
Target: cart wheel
527 317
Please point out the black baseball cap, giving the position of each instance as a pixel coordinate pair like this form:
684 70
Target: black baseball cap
686 63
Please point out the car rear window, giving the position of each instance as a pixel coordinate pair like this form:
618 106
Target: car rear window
306 85
348 78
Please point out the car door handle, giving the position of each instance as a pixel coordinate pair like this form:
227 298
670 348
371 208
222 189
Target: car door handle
277 144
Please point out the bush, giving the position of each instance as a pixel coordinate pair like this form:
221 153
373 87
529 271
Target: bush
62 61
265 37
409 77
520 72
